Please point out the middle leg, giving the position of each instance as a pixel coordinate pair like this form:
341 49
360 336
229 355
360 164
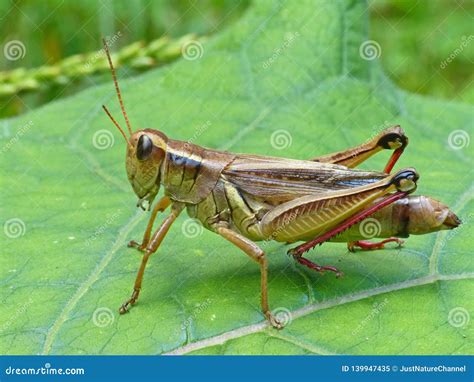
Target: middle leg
256 253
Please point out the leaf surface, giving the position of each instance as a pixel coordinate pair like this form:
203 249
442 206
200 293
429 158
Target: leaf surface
287 80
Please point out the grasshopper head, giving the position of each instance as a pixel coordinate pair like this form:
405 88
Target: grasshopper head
146 150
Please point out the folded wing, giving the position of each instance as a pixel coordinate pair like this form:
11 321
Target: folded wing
276 180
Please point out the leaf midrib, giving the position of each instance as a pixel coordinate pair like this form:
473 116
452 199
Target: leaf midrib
308 309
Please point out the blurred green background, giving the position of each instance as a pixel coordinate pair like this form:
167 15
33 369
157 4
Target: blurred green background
416 37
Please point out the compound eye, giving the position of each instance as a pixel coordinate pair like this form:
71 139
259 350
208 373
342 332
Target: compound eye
144 147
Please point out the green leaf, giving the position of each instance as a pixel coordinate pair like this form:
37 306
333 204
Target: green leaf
294 69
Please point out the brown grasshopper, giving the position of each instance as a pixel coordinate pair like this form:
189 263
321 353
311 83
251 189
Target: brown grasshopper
248 198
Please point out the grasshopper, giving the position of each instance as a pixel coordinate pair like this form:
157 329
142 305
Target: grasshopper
249 198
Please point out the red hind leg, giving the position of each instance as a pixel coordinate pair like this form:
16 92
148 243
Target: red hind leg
299 250
319 268
368 245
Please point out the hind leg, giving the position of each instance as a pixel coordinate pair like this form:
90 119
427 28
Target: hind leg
368 245
392 138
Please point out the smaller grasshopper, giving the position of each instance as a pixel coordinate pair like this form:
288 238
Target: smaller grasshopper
248 198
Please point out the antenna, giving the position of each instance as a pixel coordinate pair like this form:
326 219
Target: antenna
106 48
115 122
